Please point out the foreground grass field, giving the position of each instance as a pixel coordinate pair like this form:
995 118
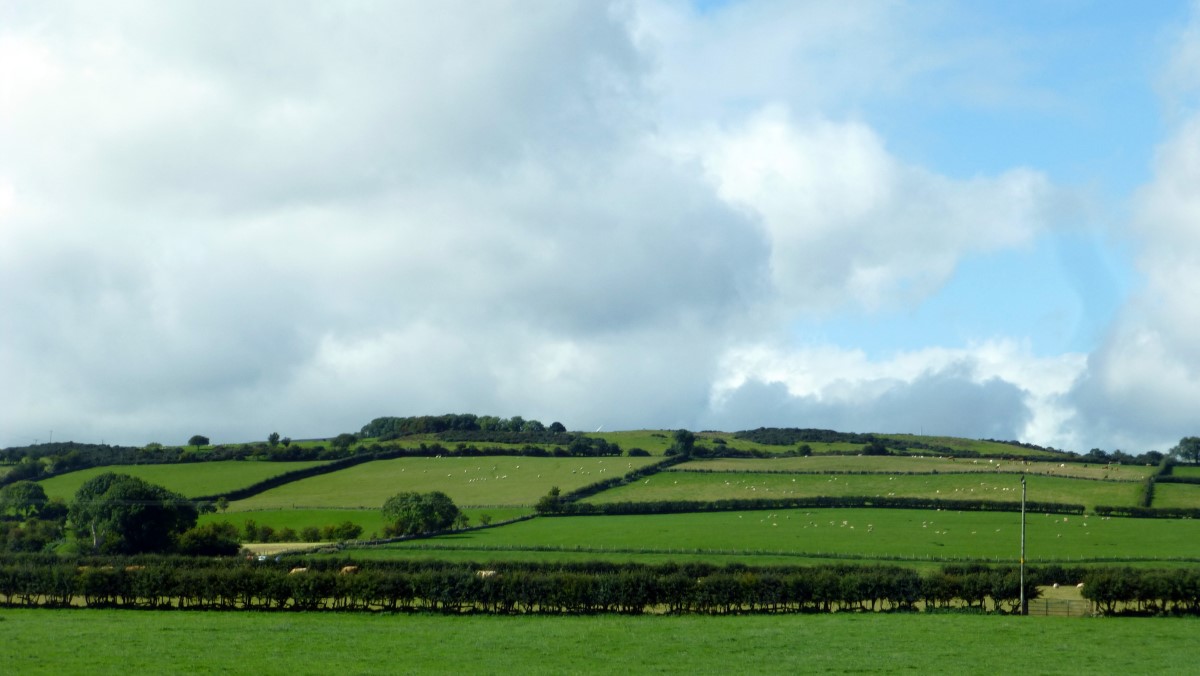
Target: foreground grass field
190 479
869 534
676 485
124 642
507 481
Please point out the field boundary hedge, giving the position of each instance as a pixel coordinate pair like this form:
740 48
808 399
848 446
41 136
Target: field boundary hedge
503 587
1149 512
737 505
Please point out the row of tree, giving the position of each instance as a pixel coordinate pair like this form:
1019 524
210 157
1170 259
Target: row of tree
512 588
391 427
1135 591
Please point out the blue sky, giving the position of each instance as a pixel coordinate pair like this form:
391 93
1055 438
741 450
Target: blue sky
971 218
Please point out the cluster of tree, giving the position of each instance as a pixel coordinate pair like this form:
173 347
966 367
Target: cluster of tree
789 436
388 428
413 513
119 513
110 513
29 521
544 436
1187 450
1119 457
1136 591
253 532
554 505
508 588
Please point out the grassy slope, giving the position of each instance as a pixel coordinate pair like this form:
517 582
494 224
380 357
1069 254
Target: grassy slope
123 642
868 532
998 487
487 481
975 445
371 520
909 464
1177 496
190 479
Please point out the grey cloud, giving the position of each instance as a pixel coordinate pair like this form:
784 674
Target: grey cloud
944 402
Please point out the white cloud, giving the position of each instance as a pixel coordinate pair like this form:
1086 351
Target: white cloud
850 223
228 217
1142 383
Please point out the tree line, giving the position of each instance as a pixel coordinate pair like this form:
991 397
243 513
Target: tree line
393 427
504 588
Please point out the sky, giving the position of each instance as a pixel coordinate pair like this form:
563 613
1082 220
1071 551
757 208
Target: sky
969 218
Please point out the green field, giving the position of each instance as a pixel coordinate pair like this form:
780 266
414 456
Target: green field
902 464
371 520
1176 496
973 445
868 533
190 479
1186 470
707 486
508 481
125 642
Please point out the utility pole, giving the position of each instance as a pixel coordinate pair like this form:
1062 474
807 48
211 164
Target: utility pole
1024 602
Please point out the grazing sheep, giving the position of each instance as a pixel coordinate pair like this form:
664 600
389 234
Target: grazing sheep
297 571
349 570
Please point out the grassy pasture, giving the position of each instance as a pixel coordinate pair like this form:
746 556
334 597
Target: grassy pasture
868 533
1176 496
371 520
675 485
974 445
901 464
190 479
658 441
653 441
1186 470
486 481
122 642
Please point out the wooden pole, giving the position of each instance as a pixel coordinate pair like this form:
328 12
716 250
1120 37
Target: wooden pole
1024 601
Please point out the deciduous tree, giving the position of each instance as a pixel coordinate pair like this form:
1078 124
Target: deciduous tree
125 514
412 513
1188 449
22 498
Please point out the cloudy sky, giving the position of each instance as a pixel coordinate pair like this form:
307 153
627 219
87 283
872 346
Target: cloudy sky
969 218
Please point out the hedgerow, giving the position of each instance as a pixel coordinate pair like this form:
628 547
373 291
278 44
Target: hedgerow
501 587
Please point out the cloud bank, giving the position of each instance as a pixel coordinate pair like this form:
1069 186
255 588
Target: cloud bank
238 218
